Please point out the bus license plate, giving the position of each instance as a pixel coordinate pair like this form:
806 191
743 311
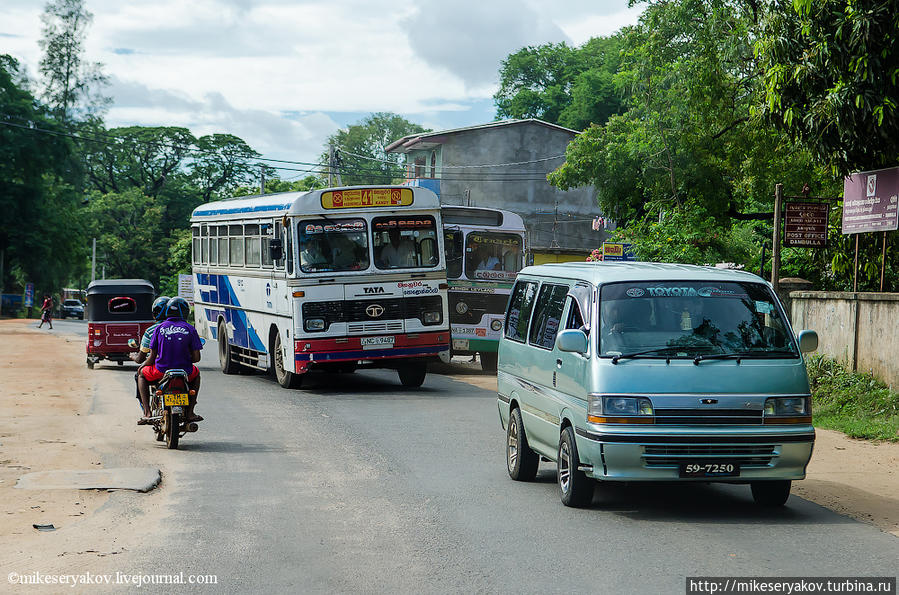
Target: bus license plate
175 399
460 344
705 469
376 342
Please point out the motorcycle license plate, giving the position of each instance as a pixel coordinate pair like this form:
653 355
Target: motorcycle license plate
172 399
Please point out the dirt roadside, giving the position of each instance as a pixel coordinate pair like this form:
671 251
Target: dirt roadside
57 414
857 478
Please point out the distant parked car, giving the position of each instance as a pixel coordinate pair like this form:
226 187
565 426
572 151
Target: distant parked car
72 308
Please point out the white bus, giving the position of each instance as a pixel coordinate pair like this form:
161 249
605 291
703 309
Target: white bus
484 252
327 279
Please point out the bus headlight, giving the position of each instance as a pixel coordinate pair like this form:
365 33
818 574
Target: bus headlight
314 324
612 409
431 317
496 324
461 307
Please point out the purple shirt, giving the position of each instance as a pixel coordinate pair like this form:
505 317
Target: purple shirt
173 342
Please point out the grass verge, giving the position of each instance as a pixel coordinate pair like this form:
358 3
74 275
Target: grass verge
854 403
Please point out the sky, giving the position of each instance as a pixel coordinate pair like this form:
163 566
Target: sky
285 74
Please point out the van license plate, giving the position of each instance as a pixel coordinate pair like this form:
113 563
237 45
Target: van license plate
376 342
716 469
171 399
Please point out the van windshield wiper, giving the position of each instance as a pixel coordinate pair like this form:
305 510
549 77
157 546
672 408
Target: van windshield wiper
738 355
646 352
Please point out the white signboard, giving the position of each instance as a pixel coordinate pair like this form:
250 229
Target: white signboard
186 288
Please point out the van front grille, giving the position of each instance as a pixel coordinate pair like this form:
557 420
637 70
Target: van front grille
694 417
673 455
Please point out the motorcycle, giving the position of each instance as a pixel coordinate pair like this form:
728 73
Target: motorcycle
169 399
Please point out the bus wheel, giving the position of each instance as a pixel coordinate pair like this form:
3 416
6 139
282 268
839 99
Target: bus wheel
488 361
285 378
412 375
229 366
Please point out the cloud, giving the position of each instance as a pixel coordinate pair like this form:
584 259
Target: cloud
297 137
469 38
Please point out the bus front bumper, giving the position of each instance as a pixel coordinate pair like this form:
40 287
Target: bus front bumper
419 346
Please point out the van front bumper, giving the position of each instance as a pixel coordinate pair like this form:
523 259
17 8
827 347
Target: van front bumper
634 453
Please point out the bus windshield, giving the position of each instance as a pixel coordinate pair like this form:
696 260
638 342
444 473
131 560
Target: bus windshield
333 245
492 255
691 318
405 242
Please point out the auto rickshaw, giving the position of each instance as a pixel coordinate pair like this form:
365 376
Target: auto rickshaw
117 310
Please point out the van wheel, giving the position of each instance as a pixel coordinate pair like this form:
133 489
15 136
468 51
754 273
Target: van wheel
575 488
521 461
488 361
412 375
771 493
286 378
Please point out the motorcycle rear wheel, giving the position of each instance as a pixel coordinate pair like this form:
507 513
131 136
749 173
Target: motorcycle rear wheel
171 429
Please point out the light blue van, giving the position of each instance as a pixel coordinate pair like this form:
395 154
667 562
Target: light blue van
653 372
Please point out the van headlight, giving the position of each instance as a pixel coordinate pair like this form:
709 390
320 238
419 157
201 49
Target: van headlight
431 317
787 410
314 324
605 409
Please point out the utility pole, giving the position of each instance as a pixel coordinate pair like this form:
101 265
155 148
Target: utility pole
330 166
94 262
3 253
261 179
775 243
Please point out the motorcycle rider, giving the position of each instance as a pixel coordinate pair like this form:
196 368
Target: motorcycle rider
139 357
175 345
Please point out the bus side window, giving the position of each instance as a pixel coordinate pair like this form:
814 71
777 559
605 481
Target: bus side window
279 233
288 249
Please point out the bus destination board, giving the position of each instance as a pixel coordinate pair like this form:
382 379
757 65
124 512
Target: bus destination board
361 198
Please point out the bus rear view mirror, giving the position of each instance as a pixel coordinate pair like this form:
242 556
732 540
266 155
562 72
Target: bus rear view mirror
276 249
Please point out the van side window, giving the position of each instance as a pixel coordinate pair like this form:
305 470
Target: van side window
548 315
520 306
575 320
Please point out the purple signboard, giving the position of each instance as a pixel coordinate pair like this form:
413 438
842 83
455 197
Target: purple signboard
805 224
871 201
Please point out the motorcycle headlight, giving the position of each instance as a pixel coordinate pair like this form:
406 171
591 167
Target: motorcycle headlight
314 324
787 410
602 409
461 307
431 317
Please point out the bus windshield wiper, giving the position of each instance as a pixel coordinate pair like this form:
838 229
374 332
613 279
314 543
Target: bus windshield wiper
738 355
646 352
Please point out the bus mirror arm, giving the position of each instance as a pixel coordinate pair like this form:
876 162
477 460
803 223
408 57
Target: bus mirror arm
276 249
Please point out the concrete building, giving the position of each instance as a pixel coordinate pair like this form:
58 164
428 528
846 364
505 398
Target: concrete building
504 165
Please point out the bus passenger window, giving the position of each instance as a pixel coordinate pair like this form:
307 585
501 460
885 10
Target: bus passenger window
235 237
266 231
288 250
251 245
196 244
213 244
223 245
204 239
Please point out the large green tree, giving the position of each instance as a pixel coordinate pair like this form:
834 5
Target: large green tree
40 227
831 78
361 149
572 87
72 87
687 146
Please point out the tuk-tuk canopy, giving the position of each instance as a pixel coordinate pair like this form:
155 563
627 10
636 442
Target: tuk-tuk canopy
110 300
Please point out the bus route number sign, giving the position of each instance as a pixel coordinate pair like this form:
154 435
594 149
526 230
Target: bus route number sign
366 197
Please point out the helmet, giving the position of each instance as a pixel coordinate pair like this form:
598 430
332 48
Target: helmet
177 308
159 307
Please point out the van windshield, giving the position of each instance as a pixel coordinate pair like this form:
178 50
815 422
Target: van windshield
691 318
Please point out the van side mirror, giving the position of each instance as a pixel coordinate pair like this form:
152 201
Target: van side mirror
275 249
808 341
572 340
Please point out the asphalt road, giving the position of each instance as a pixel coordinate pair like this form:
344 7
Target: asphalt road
355 484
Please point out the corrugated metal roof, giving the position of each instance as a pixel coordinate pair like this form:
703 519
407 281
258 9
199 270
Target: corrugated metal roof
412 139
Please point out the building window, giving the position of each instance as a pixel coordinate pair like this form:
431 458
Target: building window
419 167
